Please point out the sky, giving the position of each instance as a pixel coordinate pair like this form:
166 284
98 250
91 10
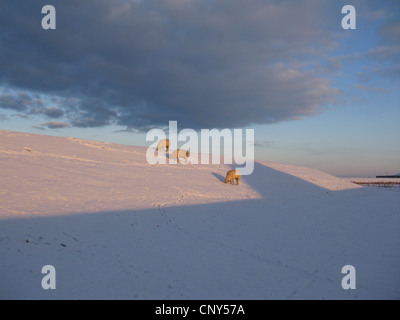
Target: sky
316 94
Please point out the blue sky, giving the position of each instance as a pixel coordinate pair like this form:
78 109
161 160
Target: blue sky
360 135
317 95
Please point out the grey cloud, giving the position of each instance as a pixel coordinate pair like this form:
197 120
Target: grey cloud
372 89
89 122
263 144
19 101
21 115
142 63
38 127
390 31
393 72
388 50
385 53
51 112
55 125
390 58
92 113
126 130
258 145
335 64
375 14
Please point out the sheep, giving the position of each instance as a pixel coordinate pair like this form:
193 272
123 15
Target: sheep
232 176
180 153
163 144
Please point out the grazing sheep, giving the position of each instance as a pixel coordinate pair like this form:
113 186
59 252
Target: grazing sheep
232 176
163 144
180 153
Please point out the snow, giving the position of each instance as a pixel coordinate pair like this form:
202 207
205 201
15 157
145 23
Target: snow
115 227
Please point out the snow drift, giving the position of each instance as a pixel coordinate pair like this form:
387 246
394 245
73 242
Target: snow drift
115 227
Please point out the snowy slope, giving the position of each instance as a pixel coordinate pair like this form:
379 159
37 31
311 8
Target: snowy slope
115 227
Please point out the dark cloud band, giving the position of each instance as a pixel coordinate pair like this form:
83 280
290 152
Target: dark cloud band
142 63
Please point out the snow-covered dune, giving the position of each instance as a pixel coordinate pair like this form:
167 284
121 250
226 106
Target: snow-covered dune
116 227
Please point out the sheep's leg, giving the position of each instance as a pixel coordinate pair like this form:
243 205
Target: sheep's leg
237 181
